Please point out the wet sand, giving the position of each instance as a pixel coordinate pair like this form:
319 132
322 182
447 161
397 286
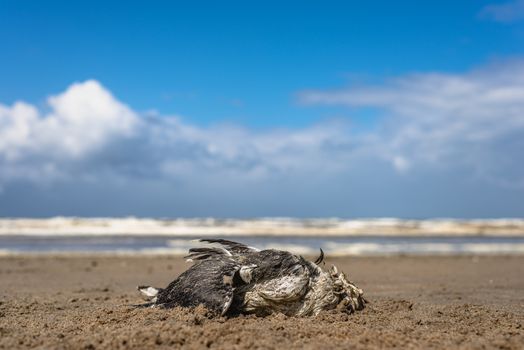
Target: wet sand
416 302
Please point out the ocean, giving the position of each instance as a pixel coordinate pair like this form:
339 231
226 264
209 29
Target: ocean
308 245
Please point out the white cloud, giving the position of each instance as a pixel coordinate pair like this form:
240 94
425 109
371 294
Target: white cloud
83 119
439 134
88 131
86 117
448 120
506 12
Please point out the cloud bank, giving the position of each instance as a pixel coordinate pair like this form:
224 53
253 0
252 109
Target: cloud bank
87 131
473 121
442 138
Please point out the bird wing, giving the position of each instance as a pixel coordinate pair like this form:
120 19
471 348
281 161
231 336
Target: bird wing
209 282
285 288
225 248
206 253
232 247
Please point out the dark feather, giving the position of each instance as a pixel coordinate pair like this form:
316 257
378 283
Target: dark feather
233 247
205 253
320 259
210 282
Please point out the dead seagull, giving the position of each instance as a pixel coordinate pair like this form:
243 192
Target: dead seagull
231 278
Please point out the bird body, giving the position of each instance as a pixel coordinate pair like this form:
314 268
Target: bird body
233 278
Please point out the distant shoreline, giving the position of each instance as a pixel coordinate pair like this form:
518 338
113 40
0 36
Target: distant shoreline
331 227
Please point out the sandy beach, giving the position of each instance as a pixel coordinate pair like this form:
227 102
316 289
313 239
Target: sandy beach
465 302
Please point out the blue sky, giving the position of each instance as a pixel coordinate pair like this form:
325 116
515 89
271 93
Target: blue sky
238 61
298 108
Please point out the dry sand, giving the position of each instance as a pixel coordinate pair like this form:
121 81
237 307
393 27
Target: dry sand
416 302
